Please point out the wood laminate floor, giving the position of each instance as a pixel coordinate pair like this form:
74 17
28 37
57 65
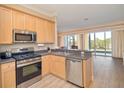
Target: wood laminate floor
108 73
51 81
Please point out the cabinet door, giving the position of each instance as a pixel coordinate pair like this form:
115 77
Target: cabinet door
51 32
45 65
5 26
47 28
41 33
18 20
30 23
45 31
8 75
60 67
53 65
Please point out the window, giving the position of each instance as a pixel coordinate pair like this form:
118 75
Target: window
71 41
91 41
108 43
100 43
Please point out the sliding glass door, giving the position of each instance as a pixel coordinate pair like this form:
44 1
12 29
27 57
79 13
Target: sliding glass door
100 43
108 44
92 42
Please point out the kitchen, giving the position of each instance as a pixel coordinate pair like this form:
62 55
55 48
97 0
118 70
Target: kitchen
29 52
56 46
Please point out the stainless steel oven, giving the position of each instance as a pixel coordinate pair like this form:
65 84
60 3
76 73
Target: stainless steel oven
28 72
22 36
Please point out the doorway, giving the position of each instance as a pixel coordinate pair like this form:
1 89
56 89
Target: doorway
100 43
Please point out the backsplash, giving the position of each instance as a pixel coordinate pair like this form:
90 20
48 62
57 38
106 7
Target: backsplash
13 47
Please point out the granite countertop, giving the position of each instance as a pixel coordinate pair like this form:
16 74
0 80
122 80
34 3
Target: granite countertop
2 61
63 54
74 55
53 53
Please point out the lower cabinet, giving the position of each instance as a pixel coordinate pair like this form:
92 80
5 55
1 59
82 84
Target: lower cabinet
54 65
87 72
58 67
45 65
7 75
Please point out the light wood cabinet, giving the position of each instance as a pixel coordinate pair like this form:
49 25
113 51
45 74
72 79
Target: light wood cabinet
54 65
46 65
50 29
24 21
18 20
46 23
52 32
58 66
87 72
12 19
30 23
45 31
7 75
41 33
5 26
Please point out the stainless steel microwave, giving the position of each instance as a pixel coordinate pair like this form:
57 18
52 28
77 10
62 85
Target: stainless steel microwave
22 36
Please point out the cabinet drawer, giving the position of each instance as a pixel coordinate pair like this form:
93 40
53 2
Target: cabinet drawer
8 65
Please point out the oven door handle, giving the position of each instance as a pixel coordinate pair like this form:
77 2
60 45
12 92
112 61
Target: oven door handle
25 64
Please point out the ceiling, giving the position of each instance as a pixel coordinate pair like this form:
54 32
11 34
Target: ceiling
72 16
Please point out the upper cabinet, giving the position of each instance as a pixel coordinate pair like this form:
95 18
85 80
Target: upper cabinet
18 20
50 31
45 31
24 21
13 19
5 26
30 23
41 33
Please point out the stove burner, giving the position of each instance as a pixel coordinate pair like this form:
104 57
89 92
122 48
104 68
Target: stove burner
25 56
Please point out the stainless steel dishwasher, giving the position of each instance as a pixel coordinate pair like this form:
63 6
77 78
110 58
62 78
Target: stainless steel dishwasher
74 72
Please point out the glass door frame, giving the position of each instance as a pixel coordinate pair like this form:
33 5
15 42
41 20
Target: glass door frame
95 42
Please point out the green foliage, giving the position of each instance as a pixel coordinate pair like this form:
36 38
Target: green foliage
100 44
